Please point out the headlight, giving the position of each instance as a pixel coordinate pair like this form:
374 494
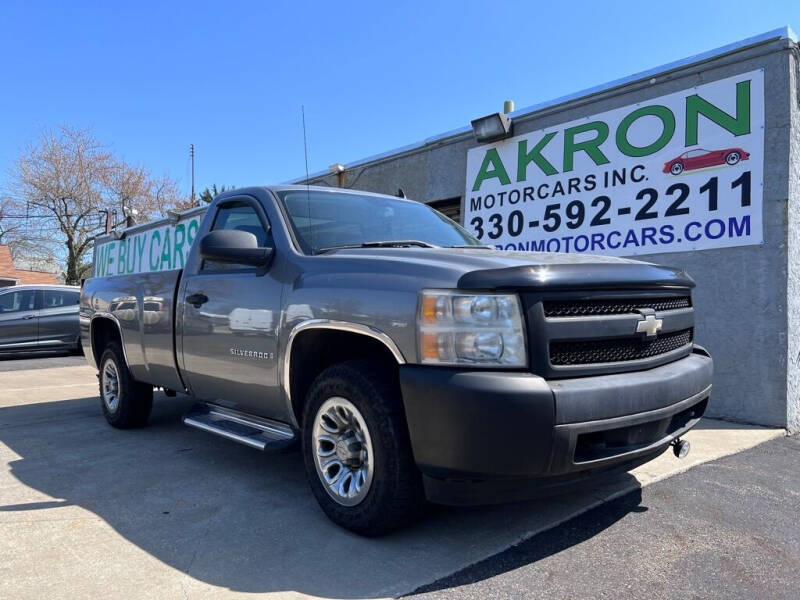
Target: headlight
455 328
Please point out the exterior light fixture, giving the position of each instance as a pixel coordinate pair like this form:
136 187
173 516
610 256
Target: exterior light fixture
336 168
492 127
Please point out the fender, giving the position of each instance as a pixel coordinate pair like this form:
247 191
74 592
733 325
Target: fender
358 328
113 319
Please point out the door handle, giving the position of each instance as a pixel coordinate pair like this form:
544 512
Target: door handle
197 300
26 317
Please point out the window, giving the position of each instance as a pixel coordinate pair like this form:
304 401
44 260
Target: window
238 216
17 301
59 298
323 220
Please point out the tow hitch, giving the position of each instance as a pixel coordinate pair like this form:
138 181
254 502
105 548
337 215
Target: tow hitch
680 447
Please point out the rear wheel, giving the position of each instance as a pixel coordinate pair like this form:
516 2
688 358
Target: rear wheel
126 403
356 449
732 158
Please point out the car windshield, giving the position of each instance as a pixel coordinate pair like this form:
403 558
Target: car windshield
324 221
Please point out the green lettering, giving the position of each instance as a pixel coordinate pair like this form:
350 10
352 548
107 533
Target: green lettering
192 231
110 254
100 261
123 248
138 245
591 147
166 251
154 260
177 247
667 130
524 158
491 159
130 259
739 125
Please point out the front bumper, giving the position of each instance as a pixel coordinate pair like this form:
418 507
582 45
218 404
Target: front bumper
491 436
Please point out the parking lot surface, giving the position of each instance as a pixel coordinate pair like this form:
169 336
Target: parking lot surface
726 529
39 360
172 512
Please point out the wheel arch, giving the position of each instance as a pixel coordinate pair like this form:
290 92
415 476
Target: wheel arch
104 328
318 343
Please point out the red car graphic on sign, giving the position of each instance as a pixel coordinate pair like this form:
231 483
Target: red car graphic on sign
699 159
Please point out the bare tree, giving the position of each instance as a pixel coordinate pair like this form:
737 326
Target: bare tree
67 177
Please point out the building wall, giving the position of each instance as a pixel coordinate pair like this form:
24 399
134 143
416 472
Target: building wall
793 245
10 275
745 316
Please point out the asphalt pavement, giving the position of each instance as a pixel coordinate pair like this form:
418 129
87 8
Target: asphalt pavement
725 529
168 511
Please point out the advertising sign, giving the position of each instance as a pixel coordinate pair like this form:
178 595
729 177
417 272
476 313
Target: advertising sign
161 248
676 173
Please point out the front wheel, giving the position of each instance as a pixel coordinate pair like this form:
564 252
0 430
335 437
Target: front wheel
126 403
356 449
676 168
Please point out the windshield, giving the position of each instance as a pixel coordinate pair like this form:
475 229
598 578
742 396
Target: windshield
327 220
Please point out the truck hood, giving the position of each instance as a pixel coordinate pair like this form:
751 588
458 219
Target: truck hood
501 269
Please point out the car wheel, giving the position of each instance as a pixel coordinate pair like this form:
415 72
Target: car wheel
356 449
732 158
126 403
676 168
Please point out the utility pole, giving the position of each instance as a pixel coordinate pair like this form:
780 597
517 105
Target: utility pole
108 219
191 155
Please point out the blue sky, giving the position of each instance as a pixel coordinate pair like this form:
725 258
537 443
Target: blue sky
149 78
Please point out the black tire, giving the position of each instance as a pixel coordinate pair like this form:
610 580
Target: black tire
676 168
134 399
395 496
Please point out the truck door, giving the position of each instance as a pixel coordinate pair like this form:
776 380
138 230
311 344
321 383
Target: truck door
231 316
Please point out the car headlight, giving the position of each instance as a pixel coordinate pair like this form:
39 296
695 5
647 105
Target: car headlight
456 328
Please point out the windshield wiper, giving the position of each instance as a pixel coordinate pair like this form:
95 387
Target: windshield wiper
381 244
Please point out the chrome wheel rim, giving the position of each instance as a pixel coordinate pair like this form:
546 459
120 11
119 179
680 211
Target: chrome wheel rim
109 381
343 451
732 158
677 169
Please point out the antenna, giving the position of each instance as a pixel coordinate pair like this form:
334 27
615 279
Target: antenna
308 191
191 156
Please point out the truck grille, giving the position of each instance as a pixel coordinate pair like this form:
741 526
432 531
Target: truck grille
610 306
616 350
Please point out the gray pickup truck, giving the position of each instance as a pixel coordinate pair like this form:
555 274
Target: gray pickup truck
409 361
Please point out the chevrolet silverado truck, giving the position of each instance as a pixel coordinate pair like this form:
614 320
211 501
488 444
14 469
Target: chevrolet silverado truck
408 361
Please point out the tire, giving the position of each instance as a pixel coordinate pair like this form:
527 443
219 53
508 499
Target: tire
392 494
126 403
732 158
676 168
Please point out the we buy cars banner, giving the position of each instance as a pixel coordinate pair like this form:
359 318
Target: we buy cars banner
675 173
158 248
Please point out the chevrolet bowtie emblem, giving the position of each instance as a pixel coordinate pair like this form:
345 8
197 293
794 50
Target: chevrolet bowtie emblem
649 325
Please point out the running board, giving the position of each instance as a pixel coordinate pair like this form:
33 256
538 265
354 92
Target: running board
256 432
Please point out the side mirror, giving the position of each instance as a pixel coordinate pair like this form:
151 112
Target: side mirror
234 246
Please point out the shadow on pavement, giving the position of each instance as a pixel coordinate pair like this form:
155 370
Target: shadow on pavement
233 517
545 544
